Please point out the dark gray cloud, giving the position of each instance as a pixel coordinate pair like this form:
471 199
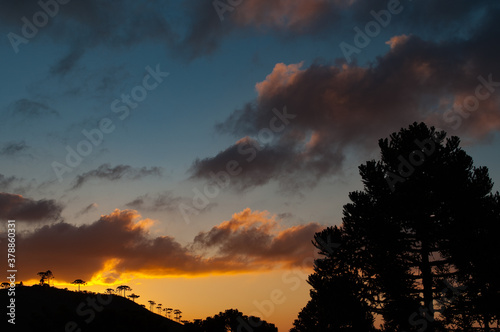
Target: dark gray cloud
89 208
68 62
163 201
13 148
329 19
20 208
107 172
16 184
340 108
89 24
29 109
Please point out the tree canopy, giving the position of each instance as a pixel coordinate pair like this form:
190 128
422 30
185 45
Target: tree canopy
418 245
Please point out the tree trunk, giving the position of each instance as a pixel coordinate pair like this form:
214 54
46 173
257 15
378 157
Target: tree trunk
486 323
427 286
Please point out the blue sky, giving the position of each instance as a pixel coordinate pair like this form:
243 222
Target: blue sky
224 80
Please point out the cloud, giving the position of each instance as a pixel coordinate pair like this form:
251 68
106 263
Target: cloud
199 31
343 108
290 15
259 164
206 31
289 19
68 62
20 208
106 172
16 184
13 148
93 23
119 245
87 209
259 239
29 109
163 201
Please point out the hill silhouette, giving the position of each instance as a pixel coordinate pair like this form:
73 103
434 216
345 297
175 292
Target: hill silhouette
43 308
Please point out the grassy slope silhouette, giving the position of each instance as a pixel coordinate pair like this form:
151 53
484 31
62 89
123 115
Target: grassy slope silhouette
50 309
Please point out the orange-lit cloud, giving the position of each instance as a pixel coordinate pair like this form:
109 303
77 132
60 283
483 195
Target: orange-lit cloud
337 109
259 239
119 247
296 15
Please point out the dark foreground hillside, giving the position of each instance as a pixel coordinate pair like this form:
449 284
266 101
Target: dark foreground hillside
51 309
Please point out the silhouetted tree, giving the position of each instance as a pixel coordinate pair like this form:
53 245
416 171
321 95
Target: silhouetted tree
133 296
177 314
159 308
123 288
230 320
79 282
168 311
45 276
5 285
401 241
339 297
110 291
475 253
151 304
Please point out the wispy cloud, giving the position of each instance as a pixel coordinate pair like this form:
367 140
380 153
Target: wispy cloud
107 172
163 201
13 148
89 208
31 109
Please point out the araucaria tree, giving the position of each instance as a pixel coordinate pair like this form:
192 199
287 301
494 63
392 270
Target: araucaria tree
79 282
134 296
418 246
45 276
123 288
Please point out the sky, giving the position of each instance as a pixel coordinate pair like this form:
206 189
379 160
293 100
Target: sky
191 149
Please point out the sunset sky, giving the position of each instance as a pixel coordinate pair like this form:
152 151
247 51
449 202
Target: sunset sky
191 149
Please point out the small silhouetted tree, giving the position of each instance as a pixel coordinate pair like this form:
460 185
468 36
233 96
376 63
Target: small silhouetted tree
133 296
123 288
151 304
5 285
45 276
79 282
230 320
177 314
